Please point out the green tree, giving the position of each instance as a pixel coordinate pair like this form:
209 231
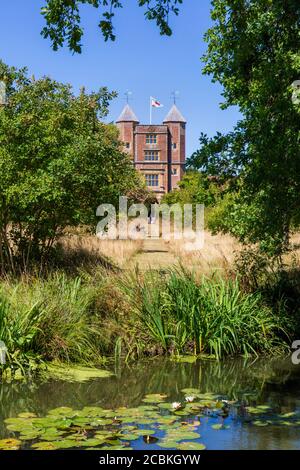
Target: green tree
63 19
253 52
195 188
58 162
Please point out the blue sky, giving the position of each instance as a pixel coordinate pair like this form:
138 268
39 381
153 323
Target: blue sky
140 60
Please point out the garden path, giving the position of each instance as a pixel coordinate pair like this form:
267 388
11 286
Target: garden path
154 254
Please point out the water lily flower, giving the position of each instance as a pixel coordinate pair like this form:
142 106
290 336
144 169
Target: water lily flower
189 399
176 405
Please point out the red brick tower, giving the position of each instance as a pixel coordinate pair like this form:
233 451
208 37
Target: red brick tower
176 146
126 123
157 150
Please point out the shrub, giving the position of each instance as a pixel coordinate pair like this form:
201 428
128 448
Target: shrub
58 163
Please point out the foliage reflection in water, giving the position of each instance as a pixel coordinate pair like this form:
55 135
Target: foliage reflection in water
159 404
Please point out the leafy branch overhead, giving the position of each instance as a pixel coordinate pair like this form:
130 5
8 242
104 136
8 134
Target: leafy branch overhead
253 53
63 19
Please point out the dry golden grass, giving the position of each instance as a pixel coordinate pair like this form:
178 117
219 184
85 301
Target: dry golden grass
118 251
217 254
293 256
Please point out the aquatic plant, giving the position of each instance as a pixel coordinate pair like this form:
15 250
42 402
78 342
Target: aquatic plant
96 427
18 331
222 320
48 319
87 318
210 316
157 423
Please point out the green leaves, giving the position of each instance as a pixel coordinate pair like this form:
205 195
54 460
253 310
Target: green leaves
96 427
76 373
58 162
212 316
63 20
252 52
10 444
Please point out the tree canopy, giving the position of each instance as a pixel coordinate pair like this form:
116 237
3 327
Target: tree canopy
253 52
58 162
63 19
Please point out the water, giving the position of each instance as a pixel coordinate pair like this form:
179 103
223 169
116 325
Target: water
275 383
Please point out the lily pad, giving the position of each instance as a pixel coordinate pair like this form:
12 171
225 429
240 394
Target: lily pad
53 435
260 423
288 415
113 448
144 408
190 391
167 444
29 435
191 446
286 423
257 410
154 398
64 411
10 444
66 444
63 424
165 406
130 437
180 434
144 421
92 411
44 446
218 426
92 442
168 420
263 407
27 415
143 432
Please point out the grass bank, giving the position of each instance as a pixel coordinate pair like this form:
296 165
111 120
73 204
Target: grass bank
87 318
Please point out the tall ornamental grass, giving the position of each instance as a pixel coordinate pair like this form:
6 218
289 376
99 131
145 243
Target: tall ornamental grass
208 316
49 319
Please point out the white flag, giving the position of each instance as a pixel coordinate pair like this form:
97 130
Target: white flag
155 103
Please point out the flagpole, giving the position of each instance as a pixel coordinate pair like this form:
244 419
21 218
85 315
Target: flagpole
150 110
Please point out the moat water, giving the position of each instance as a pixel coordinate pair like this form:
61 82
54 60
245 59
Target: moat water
235 404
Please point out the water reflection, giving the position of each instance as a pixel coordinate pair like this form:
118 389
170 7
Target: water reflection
274 382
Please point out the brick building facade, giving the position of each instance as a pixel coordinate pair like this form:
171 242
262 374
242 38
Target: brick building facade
157 151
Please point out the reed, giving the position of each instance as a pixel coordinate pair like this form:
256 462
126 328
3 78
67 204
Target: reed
131 314
208 316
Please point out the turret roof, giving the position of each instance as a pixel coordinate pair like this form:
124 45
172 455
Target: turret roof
127 115
174 115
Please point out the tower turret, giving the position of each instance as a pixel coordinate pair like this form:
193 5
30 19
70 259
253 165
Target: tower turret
126 123
176 124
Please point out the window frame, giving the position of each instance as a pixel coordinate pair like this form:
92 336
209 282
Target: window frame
149 155
151 139
150 177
